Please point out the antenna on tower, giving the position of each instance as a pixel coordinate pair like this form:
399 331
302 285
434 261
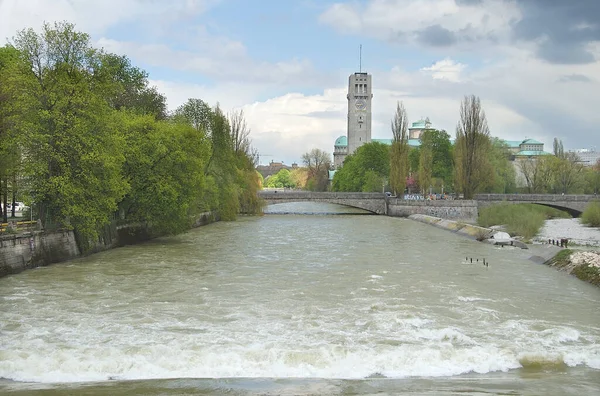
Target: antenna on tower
360 58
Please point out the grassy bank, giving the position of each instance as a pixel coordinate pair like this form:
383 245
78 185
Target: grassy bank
591 215
567 260
524 220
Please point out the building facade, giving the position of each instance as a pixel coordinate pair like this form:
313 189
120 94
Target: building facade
587 157
418 127
358 132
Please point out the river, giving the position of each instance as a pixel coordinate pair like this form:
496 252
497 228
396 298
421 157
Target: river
301 304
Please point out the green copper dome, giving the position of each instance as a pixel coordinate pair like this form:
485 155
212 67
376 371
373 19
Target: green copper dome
341 141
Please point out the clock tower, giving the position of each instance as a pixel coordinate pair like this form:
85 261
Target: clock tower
359 110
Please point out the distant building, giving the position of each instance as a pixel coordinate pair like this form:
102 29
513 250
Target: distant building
587 157
273 168
418 127
528 148
358 131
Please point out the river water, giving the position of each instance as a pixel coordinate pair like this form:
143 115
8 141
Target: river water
298 305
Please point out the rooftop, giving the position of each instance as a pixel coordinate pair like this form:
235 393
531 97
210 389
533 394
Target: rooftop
530 153
530 141
341 141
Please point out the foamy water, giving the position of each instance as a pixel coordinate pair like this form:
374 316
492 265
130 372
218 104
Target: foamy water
340 297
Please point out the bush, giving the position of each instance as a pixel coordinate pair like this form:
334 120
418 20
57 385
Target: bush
591 214
525 220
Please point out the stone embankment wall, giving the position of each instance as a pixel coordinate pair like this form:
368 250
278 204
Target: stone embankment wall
34 249
19 252
447 209
468 230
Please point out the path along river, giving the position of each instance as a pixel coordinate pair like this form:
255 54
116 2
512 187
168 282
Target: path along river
301 304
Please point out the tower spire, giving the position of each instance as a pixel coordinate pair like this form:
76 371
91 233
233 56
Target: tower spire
360 58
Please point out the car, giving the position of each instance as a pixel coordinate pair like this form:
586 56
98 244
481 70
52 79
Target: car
19 207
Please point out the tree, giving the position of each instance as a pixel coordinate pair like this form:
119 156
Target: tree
73 149
281 179
558 149
165 167
399 166
195 112
568 172
240 133
366 170
538 173
436 151
592 179
318 164
10 153
473 169
505 175
128 87
425 168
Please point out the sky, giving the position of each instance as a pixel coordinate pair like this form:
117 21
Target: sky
535 64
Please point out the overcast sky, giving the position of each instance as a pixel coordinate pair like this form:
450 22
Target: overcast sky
535 64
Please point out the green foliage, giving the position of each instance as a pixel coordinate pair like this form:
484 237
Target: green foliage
504 180
425 168
164 165
365 170
587 273
399 167
520 219
282 179
442 162
414 156
591 214
73 150
473 169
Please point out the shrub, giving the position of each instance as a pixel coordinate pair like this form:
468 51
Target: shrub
591 214
525 220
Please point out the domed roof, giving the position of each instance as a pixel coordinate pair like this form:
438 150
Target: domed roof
341 141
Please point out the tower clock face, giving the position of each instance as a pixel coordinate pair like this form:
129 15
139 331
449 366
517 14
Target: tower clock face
360 104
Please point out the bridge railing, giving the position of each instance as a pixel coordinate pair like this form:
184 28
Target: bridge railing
318 195
536 197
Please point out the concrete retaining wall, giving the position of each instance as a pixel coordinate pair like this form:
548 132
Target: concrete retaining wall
446 209
35 249
468 230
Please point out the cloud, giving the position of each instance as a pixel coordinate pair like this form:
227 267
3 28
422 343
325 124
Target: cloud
559 32
436 36
434 23
215 57
446 69
94 17
574 78
563 29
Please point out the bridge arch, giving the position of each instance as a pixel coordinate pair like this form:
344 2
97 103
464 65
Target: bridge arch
371 210
371 202
572 204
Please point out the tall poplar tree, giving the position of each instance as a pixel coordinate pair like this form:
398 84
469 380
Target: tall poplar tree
399 150
473 170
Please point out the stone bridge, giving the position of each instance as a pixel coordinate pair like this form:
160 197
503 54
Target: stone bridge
574 204
372 202
379 203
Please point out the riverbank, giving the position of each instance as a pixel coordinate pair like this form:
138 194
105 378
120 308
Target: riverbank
465 229
33 249
585 265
